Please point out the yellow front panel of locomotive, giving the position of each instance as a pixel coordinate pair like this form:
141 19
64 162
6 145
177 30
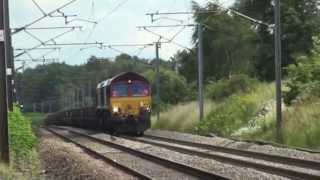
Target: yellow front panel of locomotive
130 105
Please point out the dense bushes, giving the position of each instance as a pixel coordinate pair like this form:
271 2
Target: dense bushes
304 78
230 116
22 139
237 111
173 88
226 87
24 161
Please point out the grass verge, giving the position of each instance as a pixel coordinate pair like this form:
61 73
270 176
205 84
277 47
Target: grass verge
301 126
182 117
24 161
238 111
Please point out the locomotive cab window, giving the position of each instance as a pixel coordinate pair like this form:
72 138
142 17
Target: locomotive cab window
119 90
139 88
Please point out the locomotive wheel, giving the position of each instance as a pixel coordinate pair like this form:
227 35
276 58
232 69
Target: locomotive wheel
139 133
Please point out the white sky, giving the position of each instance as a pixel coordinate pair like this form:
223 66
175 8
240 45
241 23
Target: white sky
117 27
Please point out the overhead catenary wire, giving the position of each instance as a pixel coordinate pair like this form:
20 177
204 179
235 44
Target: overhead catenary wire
45 48
166 26
36 60
168 40
51 28
114 9
105 16
79 19
74 44
115 49
99 21
39 45
38 6
140 50
260 22
33 36
43 16
47 53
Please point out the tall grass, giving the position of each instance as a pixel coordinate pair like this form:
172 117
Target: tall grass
24 161
8 173
249 115
182 117
237 111
301 126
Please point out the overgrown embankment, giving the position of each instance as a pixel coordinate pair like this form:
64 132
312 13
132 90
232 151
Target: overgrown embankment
24 162
245 108
302 97
182 117
230 105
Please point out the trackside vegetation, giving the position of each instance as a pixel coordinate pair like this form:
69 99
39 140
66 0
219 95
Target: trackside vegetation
243 107
24 162
303 99
182 117
238 76
237 111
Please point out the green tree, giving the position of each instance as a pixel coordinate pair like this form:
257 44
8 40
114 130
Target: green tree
58 82
228 42
300 22
173 87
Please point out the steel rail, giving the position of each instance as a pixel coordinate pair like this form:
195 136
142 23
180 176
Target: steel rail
258 155
261 142
102 157
250 154
196 172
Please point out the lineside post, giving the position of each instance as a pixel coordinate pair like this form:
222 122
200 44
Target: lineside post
200 71
4 142
8 56
157 44
277 37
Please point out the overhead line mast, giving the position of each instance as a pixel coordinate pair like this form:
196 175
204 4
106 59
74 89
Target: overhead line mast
9 58
4 142
277 37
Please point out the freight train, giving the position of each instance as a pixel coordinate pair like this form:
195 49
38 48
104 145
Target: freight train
123 106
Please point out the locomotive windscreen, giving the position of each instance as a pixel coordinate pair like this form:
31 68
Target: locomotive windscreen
139 89
119 90
135 88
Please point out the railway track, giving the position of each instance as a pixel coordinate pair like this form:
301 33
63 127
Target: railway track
94 153
274 164
155 163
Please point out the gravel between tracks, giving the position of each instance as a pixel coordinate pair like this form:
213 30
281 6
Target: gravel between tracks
234 172
248 159
238 145
61 160
146 167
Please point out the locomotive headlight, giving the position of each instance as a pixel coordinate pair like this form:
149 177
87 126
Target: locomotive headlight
115 109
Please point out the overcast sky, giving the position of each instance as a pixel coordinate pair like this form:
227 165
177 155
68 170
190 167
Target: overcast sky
117 22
